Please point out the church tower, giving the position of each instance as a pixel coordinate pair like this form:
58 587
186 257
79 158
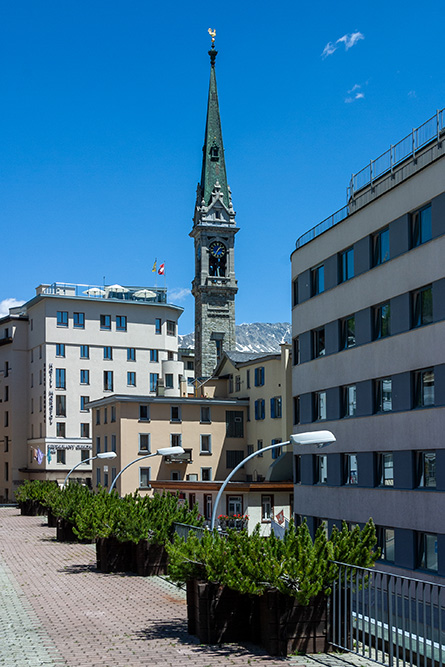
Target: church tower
214 228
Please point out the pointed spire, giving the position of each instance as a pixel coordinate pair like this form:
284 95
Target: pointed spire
213 163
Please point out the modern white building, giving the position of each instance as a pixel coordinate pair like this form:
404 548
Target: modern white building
69 345
368 326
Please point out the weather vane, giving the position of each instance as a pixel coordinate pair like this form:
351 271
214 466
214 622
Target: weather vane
212 34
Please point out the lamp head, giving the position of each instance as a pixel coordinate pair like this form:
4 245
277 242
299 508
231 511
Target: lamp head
170 451
107 455
319 438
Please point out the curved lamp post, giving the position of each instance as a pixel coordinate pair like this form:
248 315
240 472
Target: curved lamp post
104 455
319 438
164 451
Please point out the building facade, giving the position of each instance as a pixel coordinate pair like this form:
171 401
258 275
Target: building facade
214 228
69 345
368 326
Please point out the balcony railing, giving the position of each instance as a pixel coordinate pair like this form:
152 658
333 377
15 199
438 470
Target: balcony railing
405 149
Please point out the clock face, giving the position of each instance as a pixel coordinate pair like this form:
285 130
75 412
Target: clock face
217 249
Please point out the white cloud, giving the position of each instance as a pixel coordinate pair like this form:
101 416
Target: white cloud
179 293
412 93
355 94
349 40
6 304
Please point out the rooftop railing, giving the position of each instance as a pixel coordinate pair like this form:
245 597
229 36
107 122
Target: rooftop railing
384 164
127 293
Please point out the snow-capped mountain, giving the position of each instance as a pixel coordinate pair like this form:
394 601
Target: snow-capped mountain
254 337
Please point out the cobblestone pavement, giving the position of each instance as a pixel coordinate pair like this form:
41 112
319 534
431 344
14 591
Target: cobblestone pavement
56 609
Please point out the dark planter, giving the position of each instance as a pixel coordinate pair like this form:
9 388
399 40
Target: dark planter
218 614
31 508
52 520
114 556
288 627
65 533
150 559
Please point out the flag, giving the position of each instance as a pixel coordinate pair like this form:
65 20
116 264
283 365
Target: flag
280 517
154 267
33 453
161 269
39 457
48 455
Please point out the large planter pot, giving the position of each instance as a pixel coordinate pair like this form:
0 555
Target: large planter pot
65 533
218 614
150 559
288 627
114 556
31 508
52 520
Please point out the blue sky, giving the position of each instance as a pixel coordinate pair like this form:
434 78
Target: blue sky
102 125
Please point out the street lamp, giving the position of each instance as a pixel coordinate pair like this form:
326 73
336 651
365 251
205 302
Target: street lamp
311 438
164 451
103 455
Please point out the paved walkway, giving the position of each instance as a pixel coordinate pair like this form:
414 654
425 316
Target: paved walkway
56 609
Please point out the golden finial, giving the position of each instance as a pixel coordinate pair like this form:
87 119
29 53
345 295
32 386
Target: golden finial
212 34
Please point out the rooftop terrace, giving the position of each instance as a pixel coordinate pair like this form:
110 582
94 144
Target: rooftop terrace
124 293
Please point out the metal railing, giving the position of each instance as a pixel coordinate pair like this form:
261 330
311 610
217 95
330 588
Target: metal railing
406 148
391 619
183 530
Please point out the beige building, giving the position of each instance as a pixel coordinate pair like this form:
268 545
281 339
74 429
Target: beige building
69 345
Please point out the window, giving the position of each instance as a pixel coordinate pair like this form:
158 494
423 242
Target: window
347 332
79 320
105 415
248 379
320 405
296 351
170 355
275 407
105 322
380 247
83 401
60 429
205 444
144 413
427 551
190 365
169 380
319 343
175 440
230 384
144 443
259 409
97 445
84 376
349 400
234 457
426 470
234 505
237 382
383 395
171 328
276 451
6 443
234 424
108 353
317 280
154 355
205 414
98 416
259 376
295 292
61 456
267 508
346 265
154 377
60 405
385 540
297 469
60 378
131 354
350 469
105 442
121 323
423 388
84 455
208 506
421 229
108 380
98 478
84 430
382 321
113 442
40 376
175 413
84 351
62 318
60 349
422 307
385 470
296 405
158 325
259 446
144 478
131 379
206 474
321 469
